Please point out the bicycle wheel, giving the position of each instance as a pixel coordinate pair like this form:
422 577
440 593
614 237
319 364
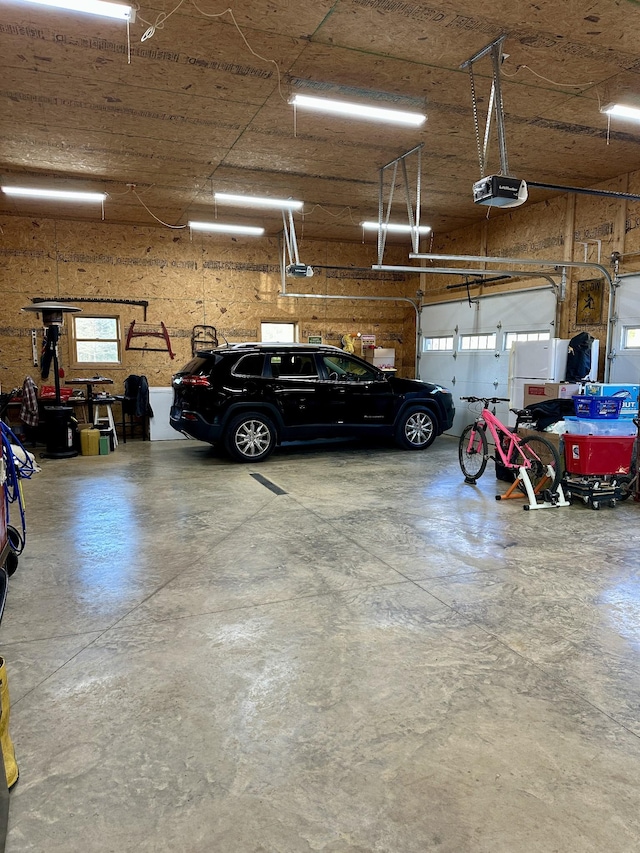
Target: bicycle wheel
473 452
541 454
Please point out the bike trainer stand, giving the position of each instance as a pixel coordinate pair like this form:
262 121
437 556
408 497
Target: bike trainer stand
550 499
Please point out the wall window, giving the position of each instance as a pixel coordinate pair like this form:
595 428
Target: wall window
631 337
477 342
442 343
96 340
512 337
279 333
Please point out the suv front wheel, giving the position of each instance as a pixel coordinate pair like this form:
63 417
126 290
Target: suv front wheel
416 429
250 438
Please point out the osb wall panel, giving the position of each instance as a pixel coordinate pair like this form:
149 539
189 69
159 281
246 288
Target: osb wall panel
454 243
575 228
228 284
630 261
535 231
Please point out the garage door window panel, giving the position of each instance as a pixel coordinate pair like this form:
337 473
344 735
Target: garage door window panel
477 343
441 343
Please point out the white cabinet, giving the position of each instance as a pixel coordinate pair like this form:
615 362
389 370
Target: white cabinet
160 400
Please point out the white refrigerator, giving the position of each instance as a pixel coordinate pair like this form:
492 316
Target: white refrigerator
540 361
534 361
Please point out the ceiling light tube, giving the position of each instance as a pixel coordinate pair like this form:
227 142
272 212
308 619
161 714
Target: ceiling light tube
221 228
59 195
395 228
350 110
622 111
258 201
92 7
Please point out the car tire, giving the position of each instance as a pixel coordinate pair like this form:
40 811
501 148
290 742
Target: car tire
416 429
250 437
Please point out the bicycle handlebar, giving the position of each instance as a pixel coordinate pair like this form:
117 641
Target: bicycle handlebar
486 400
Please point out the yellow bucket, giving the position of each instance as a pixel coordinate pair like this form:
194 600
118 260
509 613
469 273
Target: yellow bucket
8 752
90 442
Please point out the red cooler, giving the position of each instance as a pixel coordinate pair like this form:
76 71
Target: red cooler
598 454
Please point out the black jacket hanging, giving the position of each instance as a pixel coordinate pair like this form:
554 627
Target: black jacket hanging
579 357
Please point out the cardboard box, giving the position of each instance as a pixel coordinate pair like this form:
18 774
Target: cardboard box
381 357
534 392
538 392
551 437
629 404
562 390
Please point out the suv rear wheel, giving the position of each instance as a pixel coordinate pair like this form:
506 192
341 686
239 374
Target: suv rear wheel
416 429
250 437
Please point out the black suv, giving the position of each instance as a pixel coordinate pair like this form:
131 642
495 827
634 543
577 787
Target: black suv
253 396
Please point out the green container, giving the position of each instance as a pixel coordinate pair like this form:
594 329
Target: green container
104 445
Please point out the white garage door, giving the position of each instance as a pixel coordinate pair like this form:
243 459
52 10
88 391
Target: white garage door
464 346
625 334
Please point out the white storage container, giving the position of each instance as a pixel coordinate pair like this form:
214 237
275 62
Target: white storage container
384 358
600 426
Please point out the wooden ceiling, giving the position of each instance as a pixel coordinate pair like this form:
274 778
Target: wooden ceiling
202 106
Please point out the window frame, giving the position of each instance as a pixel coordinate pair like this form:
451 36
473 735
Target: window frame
236 370
528 339
266 323
625 337
76 362
483 335
426 338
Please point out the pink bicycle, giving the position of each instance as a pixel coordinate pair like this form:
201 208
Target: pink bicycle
534 453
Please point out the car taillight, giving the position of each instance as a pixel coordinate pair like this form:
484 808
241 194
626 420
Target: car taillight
193 381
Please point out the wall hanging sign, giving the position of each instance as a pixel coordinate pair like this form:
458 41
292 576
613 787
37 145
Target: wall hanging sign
589 302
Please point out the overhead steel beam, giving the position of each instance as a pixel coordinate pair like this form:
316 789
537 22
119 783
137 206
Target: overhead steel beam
584 191
559 265
481 259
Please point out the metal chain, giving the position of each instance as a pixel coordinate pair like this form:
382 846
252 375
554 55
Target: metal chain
476 121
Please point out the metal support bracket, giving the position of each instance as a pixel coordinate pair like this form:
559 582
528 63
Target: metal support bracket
413 208
495 106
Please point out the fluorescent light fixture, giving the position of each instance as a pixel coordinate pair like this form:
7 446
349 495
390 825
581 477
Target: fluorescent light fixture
221 228
621 111
60 195
258 201
327 105
92 7
395 228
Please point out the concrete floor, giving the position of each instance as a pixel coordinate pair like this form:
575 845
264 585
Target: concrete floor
380 658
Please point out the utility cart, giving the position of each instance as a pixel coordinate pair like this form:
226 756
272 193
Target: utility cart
595 467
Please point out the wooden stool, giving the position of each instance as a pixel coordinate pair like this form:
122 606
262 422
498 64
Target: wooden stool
107 419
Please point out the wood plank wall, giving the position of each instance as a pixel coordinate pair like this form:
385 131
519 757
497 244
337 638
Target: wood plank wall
232 285
235 285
